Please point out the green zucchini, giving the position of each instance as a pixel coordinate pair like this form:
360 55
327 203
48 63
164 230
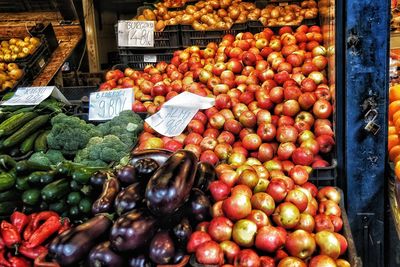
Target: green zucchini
7 180
31 196
27 144
20 110
41 142
9 195
25 167
47 178
26 130
74 198
55 190
16 122
34 177
22 183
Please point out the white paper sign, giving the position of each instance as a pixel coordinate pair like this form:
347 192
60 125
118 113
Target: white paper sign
176 113
106 105
135 33
32 96
150 58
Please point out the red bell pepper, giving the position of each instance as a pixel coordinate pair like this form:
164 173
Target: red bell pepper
19 220
10 234
29 228
19 262
41 217
3 261
31 253
49 227
41 261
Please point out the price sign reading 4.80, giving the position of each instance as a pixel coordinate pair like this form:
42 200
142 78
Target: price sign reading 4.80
106 105
136 33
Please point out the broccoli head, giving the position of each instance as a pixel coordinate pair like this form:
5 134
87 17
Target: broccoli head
40 158
126 126
69 134
102 151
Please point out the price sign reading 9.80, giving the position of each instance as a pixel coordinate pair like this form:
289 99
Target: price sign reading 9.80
106 105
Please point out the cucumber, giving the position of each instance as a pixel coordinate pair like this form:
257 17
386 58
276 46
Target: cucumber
8 207
41 142
59 206
74 211
9 195
31 196
22 183
25 167
14 123
27 144
20 110
55 190
34 177
47 178
85 205
74 198
7 180
26 130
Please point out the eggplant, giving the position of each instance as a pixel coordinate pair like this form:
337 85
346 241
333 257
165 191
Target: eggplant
199 206
106 200
159 155
130 198
169 188
205 175
132 230
98 179
181 232
162 248
74 244
139 261
145 168
127 175
103 256
178 257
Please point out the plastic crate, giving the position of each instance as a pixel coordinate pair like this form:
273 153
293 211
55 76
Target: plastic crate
202 38
255 26
38 61
140 61
326 175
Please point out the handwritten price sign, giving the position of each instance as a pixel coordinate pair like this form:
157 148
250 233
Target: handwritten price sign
32 96
136 33
176 113
106 105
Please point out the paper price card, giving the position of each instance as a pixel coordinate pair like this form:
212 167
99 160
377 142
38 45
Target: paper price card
106 105
136 33
32 96
176 113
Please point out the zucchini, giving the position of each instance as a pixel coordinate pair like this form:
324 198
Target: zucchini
41 142
25 167
20 110
34 177
47 178
27 144
59 206
9 195
7 180
17 121
22 183
31 196
74 198
8 207
55 190
26 130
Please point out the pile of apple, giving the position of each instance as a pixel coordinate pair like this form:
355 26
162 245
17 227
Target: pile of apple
271 221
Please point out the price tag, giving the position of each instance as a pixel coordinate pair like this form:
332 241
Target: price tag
42 62
176 113
150 58
32 96
283 4
136 33
106 105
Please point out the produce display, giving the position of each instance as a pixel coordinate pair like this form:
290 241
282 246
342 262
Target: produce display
222 14
10 74
16 48
394 128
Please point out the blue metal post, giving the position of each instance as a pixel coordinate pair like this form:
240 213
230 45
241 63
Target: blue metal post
365 90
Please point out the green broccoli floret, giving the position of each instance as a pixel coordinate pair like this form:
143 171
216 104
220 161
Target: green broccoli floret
69 134
55 156
126 126
102 151
40 158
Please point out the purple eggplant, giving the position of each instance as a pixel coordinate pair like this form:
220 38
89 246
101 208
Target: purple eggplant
162 248
129 198
199 206
105 202
103 256
178 257
132 230
205 175
127 175
169 188
98 179
159 155
181 232
74 244
145 168
139 261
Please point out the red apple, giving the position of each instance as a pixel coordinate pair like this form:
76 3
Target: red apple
259 218
196 239
270 238
277 189
300 244
219 190
247 258
264 202
220 229
302 156
286 215
244 232
209 253
328 244
322 109
230 249
306 223
298 198
322 261
236 207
